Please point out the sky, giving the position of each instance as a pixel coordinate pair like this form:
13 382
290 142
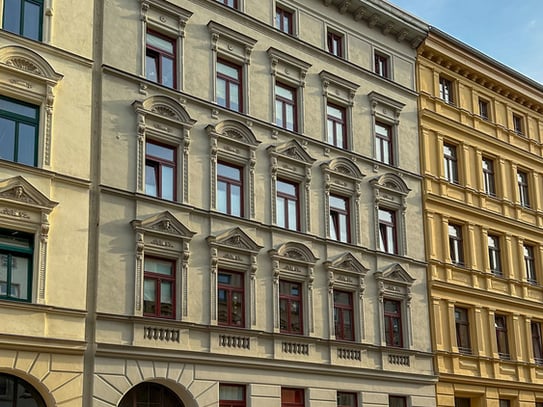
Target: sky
510 32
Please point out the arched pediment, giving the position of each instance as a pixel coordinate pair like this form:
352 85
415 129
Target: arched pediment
164 223
294 151
28 61
167 107
19 191
234 130
296 251
395 274
343 166
235 238
392 182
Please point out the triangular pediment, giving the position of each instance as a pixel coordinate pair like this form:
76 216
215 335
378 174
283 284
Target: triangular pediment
235 238
395 273
19 191
348 263
163 223
293 150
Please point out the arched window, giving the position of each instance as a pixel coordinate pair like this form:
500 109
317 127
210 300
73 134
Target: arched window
150 395
16 392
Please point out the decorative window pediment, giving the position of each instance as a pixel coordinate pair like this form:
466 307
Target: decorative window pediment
287 68
292 152
24 208
345 271
161 235
337 89
392 277
390 189
385 108
231 43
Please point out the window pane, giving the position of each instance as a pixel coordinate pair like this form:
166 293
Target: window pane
166 302
151 68
167 182
18 108
12 16
232 72
32 14
231 392
235 200
160 43
167 72
151 180
289 117
155 150
284 93
221 197
26 152
158 266
221 92
286 188
280 204
19 277
7 139
149 296
234 96
229 172
279 113
292 215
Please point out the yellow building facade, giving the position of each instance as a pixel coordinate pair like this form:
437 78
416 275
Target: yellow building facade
481 148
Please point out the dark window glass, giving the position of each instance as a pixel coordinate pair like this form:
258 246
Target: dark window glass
159 288
529 263
393 323
501 336
24 17
229 85
231 299
518 124
445 90
285 107
292 397
16 254
388 239
381 65
231 395
397 401
462 330
523 190
229 189
290 307
462 402
160 170
160 58
484 109
343 315
335 44
336 125
15 392
284 20
287 205
345 399
537 342
150 395
19 123
339 218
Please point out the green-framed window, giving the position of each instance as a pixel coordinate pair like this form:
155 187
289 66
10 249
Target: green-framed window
24 17
16 253
19 123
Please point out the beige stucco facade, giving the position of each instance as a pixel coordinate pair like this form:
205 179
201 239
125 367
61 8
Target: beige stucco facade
492 123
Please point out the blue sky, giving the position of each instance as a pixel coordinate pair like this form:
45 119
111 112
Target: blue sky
510 32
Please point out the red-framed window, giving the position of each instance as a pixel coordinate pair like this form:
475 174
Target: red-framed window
502 339
339 218
286 110
393 323
463 338
336 125
290 307
160 170
334 42
230 3
287 205
231 302
229 85
344 315
159 288
292 397
456 244
160 59
381 64
232 395
388 232
489 181
383 143
229 188
346 399
284 20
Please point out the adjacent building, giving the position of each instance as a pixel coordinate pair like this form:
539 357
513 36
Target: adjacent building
483 222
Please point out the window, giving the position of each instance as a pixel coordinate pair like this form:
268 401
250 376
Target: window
518 124
529 263
160 59
397 401
336 125
488 176
231 395
494 256
160 170
523 189
505 403
345 399
484 109
229 82
285 107
450 163
284 20
381 65
383 143
456 244
19 123
290 307
502 340
339 218
230 302
393 323
537 342
335 43
24 17
292 397
446 90
159 288
287 204
462 330
387 231
462 402
229 3
229 189
16 254
148 394
343 315
15 392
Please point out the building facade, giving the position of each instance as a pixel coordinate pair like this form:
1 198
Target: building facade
483 220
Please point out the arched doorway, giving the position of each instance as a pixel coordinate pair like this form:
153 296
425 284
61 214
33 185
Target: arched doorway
150 395
15 392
